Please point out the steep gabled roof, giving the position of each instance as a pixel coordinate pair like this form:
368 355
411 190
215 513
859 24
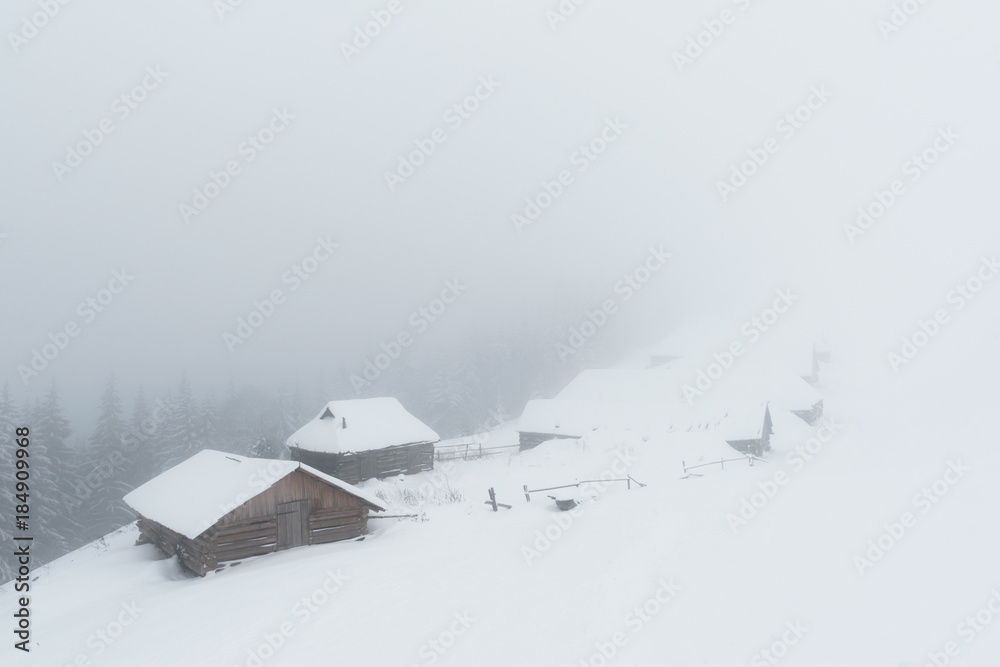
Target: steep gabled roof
361 425
576 418
193 495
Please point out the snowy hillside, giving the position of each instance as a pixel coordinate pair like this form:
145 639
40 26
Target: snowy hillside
680 572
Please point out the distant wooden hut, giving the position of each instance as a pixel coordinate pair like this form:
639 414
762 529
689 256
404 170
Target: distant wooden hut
359 439
217 508
745 427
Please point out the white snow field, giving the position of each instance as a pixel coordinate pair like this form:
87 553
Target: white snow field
668 574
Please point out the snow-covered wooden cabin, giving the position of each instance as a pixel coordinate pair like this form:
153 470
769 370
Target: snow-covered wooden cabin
746 382
216 508
745 427
359 439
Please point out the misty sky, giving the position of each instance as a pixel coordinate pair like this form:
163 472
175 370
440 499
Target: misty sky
346 121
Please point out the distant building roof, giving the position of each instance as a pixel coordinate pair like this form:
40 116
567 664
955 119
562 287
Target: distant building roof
576 418
193 495
360 425
743 383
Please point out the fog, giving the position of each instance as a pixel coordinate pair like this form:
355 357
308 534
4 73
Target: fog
352 115
218 215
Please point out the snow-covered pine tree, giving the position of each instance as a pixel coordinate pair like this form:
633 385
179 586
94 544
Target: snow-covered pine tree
207 424
141 441
180 431
52 473
105 460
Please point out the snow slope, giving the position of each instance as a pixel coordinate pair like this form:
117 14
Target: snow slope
533 586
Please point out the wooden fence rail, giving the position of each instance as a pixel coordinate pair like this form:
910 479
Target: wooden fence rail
722 462
628 480
468 451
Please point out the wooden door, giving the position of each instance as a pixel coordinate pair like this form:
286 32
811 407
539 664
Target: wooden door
293 524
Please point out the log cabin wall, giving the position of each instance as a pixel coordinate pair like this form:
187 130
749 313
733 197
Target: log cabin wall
377 463
296 486
252 530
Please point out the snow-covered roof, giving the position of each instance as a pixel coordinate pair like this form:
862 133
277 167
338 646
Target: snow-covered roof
576 418
628 385
696 448
360 425
193 495
694 341
742 383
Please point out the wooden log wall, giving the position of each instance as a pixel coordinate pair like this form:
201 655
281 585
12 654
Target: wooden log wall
377 463
256 536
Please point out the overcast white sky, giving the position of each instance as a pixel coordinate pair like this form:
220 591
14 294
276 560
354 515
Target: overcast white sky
324 174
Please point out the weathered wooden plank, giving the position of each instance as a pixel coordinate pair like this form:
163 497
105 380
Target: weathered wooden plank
264 539
245 535
320 529
335 534
327 539
316 524
334 513
237 526
246 553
